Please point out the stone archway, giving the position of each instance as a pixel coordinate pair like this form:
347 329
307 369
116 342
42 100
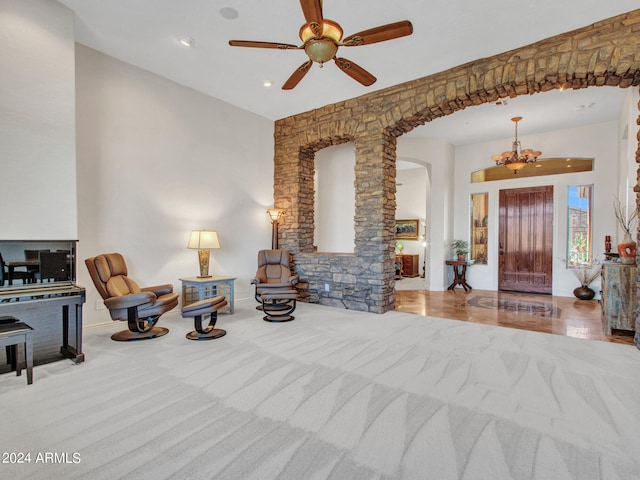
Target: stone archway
606 53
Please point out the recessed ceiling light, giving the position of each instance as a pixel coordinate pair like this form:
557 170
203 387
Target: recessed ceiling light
186 41
229 13
267 83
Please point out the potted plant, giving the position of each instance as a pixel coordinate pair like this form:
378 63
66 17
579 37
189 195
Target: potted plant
586 273
461 248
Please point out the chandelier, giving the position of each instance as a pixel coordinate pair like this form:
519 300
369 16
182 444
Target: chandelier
516 158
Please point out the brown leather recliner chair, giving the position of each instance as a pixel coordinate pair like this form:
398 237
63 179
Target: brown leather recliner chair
140 307
274 284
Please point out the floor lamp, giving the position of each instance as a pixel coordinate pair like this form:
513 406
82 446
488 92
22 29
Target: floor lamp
275 214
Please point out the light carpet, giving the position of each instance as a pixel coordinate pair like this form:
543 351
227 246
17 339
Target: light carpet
335 395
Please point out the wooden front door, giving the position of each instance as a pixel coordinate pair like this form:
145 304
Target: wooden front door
525 249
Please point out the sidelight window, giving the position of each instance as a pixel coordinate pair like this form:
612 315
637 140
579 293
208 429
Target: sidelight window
579 207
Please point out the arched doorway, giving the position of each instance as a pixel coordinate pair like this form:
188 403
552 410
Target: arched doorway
610 57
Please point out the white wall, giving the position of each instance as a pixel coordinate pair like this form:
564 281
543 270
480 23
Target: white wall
335 199
628 141
156 160
37 121
593 141
438 156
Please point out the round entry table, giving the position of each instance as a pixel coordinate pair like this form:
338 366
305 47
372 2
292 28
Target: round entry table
459 274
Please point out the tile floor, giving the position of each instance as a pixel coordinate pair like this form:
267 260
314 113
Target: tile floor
538 313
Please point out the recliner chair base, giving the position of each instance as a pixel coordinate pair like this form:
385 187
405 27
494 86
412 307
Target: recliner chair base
208 334
199 309
139 329
278 318
129 336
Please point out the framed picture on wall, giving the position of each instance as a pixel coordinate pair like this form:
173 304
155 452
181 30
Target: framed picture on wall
407 229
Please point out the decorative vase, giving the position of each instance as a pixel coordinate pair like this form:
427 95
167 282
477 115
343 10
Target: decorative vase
627 250
584 293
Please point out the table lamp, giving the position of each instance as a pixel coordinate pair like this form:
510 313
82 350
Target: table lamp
204 241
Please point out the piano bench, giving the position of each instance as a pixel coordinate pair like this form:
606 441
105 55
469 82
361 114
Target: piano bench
12 334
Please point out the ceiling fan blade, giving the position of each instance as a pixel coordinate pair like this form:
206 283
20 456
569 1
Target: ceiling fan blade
312 10
250 43
356 72
298 75
379 34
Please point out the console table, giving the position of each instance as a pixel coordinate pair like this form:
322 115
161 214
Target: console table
618 296
199 288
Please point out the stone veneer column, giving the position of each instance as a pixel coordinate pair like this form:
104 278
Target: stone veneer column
375 190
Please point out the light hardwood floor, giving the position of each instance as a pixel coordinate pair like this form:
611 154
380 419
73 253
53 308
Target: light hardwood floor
538 313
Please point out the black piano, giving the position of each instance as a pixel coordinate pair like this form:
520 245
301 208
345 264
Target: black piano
51 303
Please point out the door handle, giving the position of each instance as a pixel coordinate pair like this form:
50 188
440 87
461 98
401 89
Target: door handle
501 249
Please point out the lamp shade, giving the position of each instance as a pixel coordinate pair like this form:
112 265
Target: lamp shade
515 166
275 213
204 240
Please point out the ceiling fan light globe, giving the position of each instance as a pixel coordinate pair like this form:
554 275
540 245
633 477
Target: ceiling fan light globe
321 51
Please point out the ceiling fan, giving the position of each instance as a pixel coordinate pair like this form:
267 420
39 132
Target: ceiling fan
322 37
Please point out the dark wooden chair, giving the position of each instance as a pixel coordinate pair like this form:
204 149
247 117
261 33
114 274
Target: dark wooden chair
24 276
33 255
54 266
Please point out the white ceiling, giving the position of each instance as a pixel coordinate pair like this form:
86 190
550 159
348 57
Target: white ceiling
447 33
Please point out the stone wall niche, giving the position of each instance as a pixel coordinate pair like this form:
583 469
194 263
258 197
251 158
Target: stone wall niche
606 53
